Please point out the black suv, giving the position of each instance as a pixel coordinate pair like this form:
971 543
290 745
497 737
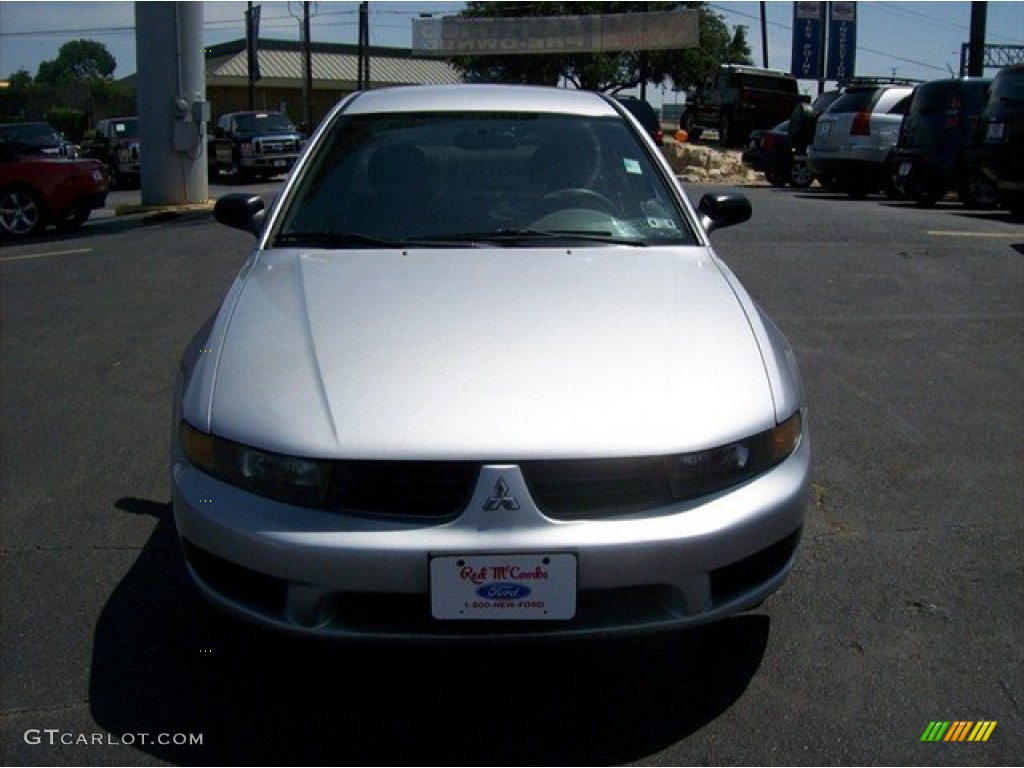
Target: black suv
250 145
930 155
998 149
735 100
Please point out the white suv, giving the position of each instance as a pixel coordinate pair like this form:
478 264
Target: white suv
855 135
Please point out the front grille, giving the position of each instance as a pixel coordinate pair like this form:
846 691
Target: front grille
569 489
429 489
562 489
575 488
276 146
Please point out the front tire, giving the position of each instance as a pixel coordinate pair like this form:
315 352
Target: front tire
22 213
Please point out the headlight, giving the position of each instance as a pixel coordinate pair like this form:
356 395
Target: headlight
291 479
695 474
246 149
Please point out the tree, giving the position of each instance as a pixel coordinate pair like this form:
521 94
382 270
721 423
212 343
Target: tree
77 61
609 72
738 51
20 79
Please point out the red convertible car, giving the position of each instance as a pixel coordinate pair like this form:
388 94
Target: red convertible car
39 190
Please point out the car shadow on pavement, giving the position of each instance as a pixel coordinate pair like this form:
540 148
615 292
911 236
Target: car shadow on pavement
164 663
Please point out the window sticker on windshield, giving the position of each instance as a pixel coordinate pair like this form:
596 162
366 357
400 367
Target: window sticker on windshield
660 223
631 166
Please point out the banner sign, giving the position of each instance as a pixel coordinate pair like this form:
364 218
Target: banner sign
598 33
252 42
808 40
842 41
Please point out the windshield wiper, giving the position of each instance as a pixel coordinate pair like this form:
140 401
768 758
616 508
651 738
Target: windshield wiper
525 235
471 239
334 240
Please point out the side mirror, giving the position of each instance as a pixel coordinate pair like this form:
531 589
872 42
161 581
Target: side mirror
241 211
723 209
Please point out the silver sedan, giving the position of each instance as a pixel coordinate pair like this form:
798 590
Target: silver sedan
484 376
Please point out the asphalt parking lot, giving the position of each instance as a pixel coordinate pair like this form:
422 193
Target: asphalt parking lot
904 608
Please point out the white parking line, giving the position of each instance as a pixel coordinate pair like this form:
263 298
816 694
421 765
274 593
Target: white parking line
45 255
943 233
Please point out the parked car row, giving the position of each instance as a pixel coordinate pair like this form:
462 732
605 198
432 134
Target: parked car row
911 140
46 180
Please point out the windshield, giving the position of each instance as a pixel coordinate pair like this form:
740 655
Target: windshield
1008 89
481 179
37 135
263 122
125 129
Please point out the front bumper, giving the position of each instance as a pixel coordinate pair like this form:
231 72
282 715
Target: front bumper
921 173
273 163
325 573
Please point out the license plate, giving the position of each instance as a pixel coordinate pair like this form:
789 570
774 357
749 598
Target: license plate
995 131
905 169
503 587
280 163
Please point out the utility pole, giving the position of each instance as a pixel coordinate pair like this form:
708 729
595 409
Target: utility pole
976 47
252 34
363 54
764 34
307 66
643 63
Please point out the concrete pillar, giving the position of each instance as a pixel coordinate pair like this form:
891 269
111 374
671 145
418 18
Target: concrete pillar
172 102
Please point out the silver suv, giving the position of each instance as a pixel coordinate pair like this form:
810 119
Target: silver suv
855 135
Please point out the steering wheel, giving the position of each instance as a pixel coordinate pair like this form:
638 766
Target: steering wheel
577 197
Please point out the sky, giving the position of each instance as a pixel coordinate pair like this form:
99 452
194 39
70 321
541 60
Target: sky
908 39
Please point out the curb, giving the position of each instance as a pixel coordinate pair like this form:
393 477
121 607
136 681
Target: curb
162 211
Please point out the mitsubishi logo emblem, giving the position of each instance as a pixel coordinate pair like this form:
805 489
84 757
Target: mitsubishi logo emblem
501 497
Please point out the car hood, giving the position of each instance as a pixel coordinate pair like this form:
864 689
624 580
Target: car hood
493 354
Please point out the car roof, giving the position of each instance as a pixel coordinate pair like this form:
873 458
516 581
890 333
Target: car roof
480 97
